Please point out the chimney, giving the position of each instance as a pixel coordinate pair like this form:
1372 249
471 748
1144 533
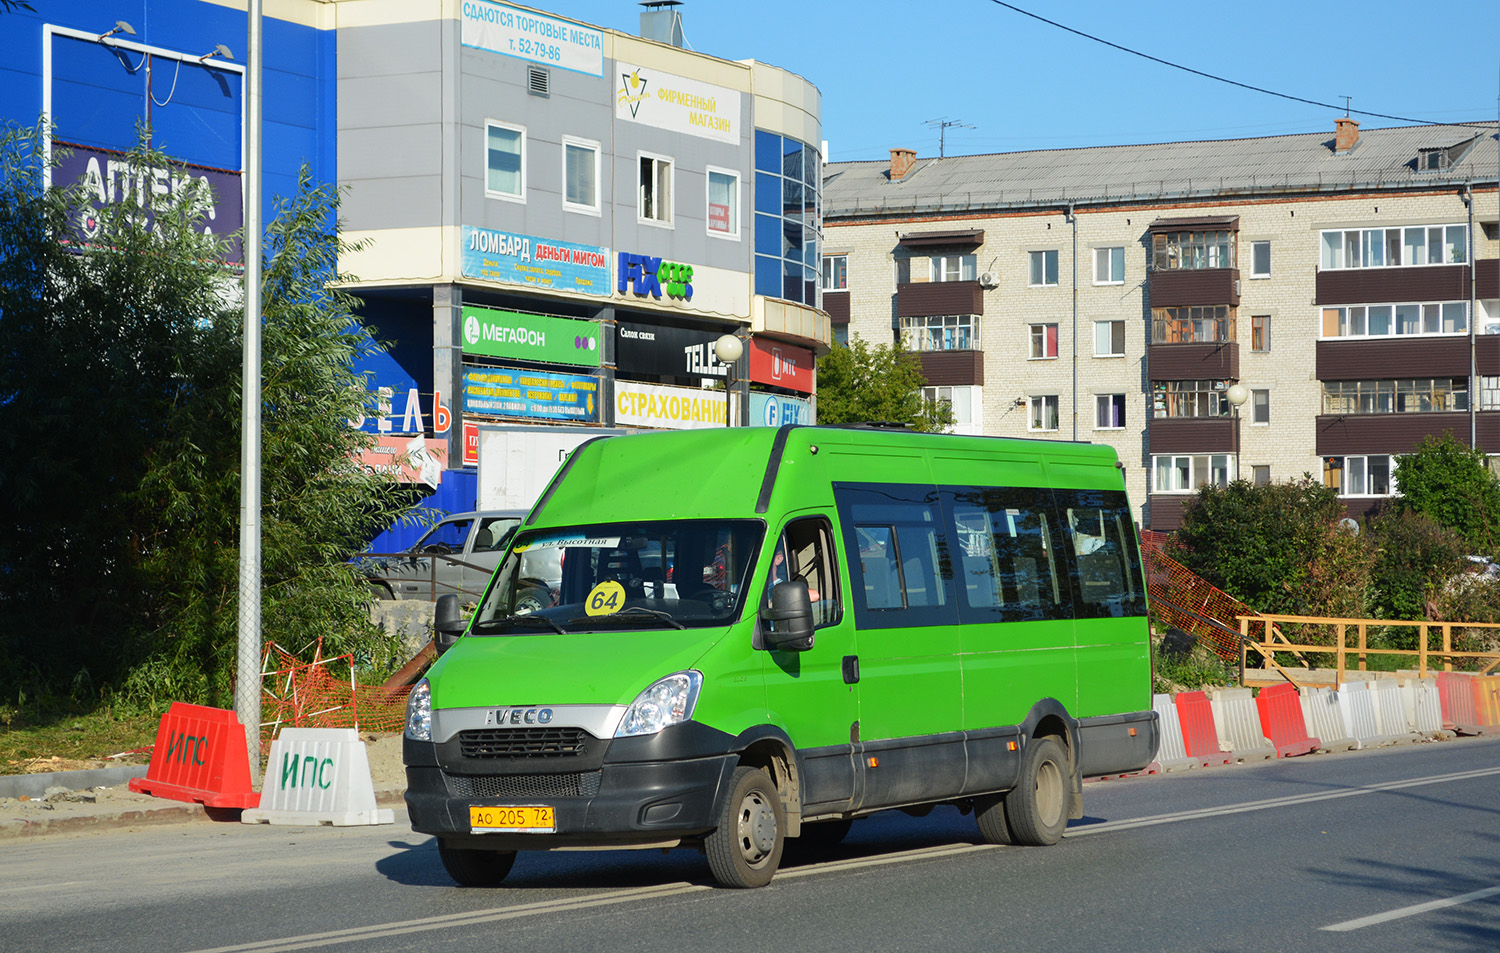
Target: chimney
1345 134
901 162
660 21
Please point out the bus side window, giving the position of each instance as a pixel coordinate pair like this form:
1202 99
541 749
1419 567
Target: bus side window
1107 583
880 573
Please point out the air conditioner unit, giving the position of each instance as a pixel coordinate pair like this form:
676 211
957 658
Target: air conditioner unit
988 279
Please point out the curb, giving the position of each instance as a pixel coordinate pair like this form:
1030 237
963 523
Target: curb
173 812
36 785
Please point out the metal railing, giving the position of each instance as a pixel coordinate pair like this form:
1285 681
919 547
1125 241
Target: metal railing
1320 637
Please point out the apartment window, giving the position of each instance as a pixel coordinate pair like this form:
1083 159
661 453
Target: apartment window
723 203
1406 396
1109 411
1260 474
1415 245
1189 399
1043 268
1179 251
1372 475
953 267
1109 266
505 161
1043 412
1388 320
1109 338
1210 324
580 175
961 399
1260 332
1187 473
1260 259
1043 341
654 189
1489 393
835 272
946 332
1260 406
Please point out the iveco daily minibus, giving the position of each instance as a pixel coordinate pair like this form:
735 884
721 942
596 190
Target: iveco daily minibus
721 639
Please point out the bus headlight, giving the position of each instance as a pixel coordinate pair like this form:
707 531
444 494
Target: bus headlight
419 712
669 701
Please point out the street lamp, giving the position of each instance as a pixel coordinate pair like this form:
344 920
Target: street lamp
1237 394
728 349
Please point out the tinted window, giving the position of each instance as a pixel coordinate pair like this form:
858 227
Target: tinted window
898 553
1007 545
1102 543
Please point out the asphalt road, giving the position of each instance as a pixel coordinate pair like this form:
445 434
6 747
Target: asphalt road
1393 849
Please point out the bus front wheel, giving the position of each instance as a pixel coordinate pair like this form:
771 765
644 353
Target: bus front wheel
745 849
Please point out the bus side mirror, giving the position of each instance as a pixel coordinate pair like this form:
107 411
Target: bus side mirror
789 618
447 623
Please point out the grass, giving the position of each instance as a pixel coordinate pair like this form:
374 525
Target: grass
29 742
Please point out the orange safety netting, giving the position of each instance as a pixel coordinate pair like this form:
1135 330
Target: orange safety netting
302 694
1181 598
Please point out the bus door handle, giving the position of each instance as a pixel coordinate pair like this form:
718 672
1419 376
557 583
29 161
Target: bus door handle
851 669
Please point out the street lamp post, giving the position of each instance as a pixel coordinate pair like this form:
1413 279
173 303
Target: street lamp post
1237 395
728 349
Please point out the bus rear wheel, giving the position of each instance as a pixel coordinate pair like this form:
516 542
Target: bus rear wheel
1036 811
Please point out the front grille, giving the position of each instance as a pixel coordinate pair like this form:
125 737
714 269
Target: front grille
522 742
525 786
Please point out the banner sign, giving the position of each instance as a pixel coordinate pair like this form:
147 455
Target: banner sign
530 337
674 352
108 178
774 410
409 459
536 262
530 36
542 395
671 408
471 443
392 411
781 365
676 103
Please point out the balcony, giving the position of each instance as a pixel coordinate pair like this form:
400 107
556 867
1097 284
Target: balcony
1193 362
923 299
952 368
1194 286
1404 356
1191 434
1384 285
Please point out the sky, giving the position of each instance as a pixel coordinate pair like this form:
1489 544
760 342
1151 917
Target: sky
888 69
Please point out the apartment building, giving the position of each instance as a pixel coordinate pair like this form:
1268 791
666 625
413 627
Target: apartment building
1255 308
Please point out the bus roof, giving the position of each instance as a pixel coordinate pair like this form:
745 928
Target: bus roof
751 471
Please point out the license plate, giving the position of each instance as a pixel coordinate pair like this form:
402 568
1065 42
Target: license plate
516 820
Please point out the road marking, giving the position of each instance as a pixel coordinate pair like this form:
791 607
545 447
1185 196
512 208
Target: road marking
493 914
1271 803
1411 911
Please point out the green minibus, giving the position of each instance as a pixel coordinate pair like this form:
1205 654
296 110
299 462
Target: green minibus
721 639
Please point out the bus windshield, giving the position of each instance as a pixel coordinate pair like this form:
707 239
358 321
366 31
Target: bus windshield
668 574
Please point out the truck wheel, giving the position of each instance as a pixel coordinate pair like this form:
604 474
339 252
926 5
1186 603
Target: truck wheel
476 868
1037 809
745 849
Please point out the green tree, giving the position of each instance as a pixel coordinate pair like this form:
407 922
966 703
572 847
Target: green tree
120 388
864 384
1414 557
1451 483
1278 547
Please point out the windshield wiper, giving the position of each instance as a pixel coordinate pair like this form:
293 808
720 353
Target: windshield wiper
497 625
633 612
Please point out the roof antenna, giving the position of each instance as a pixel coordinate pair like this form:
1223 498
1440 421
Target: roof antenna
1346 105
942 125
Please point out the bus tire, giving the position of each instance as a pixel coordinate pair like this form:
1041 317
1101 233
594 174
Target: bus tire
989 811
1037 808
745 849
476 868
